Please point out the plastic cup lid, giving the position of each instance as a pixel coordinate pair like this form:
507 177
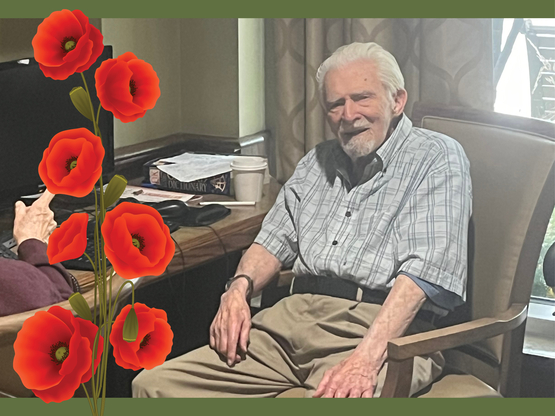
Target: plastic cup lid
249 163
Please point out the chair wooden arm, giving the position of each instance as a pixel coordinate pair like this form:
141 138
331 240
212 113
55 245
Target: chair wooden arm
456 335
401 351
285 277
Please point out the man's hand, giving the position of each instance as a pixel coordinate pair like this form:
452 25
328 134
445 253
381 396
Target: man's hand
356 376
231 326
35 221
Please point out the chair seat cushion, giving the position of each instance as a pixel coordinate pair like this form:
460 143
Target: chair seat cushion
458 386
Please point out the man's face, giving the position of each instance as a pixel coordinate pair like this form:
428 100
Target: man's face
359 109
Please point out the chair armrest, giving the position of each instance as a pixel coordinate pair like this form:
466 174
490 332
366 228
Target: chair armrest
454 336
285 277
401 351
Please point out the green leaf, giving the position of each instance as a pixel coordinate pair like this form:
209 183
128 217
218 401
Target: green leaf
79 305
131 326
114 189
80 100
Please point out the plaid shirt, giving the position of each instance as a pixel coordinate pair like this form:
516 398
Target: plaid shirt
408 213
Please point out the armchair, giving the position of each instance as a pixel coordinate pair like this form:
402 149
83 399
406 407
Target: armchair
513 175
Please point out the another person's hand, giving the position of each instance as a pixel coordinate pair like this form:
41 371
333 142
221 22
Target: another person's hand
230 329
35 221
356 376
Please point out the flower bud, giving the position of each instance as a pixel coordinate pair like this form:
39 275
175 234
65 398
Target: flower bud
114 189
79 305
80 100
131 326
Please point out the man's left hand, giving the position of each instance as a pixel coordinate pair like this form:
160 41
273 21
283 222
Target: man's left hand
356 376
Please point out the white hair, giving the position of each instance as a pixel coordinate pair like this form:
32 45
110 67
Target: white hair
388 68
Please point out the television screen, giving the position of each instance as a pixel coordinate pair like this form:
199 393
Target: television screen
34 108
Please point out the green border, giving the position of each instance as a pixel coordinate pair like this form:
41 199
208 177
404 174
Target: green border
281 8
280 407
286 8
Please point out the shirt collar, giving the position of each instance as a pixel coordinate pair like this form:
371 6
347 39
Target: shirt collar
391 146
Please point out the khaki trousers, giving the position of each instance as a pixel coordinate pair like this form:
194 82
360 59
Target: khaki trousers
291 345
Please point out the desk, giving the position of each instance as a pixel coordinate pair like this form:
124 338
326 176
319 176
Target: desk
200 245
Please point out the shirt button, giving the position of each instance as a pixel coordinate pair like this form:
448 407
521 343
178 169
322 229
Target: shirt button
348 214
334 242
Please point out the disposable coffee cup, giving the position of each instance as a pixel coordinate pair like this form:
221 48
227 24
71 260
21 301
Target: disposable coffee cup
248 177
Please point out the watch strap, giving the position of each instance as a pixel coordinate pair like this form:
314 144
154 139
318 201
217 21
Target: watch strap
242 276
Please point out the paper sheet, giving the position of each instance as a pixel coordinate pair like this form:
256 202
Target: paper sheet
153 195
189 167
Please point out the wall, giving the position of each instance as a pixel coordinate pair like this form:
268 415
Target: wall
211 72
157 41
209 77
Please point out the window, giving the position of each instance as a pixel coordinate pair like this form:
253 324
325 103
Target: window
524 52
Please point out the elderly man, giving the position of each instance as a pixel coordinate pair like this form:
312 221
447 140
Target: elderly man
375 226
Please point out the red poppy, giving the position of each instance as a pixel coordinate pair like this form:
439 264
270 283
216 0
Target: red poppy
72 163
136 241
70 240
154 340
53 353
66 43
127 87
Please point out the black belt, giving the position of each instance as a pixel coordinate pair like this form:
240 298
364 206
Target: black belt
341 288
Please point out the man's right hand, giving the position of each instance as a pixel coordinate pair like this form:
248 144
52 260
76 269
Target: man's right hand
229 332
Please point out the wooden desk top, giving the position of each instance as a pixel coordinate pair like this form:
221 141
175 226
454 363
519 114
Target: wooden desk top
199 245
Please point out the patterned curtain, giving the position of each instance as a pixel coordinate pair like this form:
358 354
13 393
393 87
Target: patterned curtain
447 61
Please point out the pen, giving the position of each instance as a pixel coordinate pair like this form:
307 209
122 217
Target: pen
230 203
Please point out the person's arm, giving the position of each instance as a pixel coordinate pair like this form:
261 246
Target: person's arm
275 246
357 376
260 265
31 283
229 332
33 251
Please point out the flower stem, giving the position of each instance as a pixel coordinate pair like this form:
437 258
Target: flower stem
94 268
93 408
109 329
95 391
96 122
97 257
90 103
108 318
132 293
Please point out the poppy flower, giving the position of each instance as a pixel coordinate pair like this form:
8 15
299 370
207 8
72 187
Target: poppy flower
136 240
53 353
66 43
72 163
70 240
154 340
127 86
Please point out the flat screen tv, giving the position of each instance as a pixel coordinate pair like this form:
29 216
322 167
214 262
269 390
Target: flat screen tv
34 108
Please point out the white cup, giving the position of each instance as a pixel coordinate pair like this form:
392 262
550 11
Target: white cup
248 177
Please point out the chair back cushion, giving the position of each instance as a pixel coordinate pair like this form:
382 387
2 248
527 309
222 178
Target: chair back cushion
510 169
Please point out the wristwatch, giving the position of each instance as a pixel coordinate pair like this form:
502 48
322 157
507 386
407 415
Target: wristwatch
241 276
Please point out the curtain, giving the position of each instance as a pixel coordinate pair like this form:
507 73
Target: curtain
448 61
